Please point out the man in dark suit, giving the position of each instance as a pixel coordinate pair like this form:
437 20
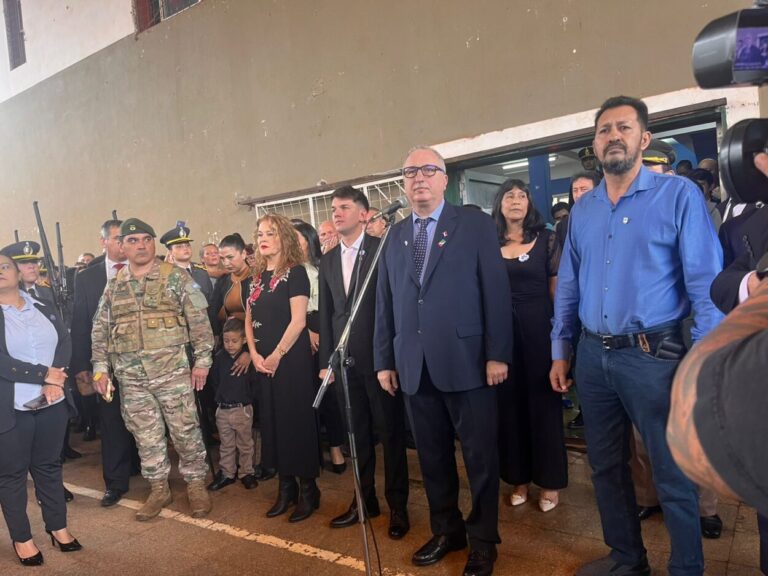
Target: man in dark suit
444 329
342 272
734 284
118 447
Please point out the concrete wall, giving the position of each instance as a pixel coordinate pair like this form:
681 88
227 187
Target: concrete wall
59 33
254 97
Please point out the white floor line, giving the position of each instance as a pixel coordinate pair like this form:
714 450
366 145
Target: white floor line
265 539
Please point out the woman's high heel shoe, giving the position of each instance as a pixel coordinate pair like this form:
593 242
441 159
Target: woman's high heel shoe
36 560
73 546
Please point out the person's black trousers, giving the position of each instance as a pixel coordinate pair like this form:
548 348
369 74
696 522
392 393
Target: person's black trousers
762 526
436 418
33 445
377 414
118 447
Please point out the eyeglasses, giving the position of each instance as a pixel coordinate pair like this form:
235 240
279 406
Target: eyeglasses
428 170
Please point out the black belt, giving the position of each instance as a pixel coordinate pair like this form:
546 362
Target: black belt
228 405
647 341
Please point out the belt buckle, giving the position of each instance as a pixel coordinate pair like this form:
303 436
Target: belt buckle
607 342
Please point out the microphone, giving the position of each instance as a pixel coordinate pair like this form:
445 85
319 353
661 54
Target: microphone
399 203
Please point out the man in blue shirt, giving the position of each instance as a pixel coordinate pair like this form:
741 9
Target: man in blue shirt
641 253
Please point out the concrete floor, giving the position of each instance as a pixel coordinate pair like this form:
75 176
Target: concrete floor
238 539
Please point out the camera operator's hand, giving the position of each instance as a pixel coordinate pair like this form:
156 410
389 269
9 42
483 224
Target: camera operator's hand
753 283
761 162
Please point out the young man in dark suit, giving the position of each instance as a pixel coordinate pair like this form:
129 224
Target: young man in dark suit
342 271
118 449
444 332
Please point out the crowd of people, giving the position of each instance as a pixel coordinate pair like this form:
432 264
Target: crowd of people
472 330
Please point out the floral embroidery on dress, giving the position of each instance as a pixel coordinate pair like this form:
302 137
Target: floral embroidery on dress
257 286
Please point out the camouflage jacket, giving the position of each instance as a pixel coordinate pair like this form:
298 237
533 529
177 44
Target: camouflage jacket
142 327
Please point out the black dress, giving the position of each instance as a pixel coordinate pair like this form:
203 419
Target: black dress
531 446
292 386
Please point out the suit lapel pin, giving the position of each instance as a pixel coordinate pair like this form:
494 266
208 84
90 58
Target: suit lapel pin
441 243
625 220
406 242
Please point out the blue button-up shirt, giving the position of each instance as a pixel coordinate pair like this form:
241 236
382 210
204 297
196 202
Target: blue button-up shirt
29 337
431 226
640 264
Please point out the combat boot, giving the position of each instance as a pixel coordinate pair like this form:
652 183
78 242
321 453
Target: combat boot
199 499
159 496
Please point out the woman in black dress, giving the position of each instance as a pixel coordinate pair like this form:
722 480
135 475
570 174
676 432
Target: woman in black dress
531 446
279 344
330 410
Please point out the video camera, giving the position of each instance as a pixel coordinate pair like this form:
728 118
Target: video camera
733 51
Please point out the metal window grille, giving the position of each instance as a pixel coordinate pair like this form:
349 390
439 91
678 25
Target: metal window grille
14 33
151 12
316 208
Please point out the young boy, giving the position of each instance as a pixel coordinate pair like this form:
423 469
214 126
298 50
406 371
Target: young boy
234 396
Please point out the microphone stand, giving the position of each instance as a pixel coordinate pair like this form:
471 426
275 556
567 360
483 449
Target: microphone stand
340 361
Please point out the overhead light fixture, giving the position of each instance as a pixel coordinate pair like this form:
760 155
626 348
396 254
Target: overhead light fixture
517 164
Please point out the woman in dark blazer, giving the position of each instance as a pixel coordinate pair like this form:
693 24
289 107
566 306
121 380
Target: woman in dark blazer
34 411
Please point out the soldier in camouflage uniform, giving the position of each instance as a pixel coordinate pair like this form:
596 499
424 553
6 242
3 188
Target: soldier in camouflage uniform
148 315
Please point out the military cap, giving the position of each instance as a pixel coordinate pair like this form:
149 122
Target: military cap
659 152
25 251
136 226
587 152
177 235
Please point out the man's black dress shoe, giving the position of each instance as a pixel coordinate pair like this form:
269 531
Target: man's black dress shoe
398 524
220 481
577 423
68 496
263 474
350 517
70 453
645 512
437 547
111 497
711 526
89 434
249 481
480 562
608 565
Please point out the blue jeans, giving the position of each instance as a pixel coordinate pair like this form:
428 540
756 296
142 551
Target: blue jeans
618 388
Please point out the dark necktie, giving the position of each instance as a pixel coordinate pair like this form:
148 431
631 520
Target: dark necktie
118 266
420 245
32 292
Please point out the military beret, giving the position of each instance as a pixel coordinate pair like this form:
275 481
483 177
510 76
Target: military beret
25 251
587 152
177 235
136 226
659 152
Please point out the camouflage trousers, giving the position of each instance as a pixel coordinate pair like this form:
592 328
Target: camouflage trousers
147 407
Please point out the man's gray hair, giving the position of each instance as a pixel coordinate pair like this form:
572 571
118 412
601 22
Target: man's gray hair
428 148
106 228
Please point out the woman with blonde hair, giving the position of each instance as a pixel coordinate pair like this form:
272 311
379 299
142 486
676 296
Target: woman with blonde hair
280 349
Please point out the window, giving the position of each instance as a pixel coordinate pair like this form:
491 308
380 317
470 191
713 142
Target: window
14 32
151 12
